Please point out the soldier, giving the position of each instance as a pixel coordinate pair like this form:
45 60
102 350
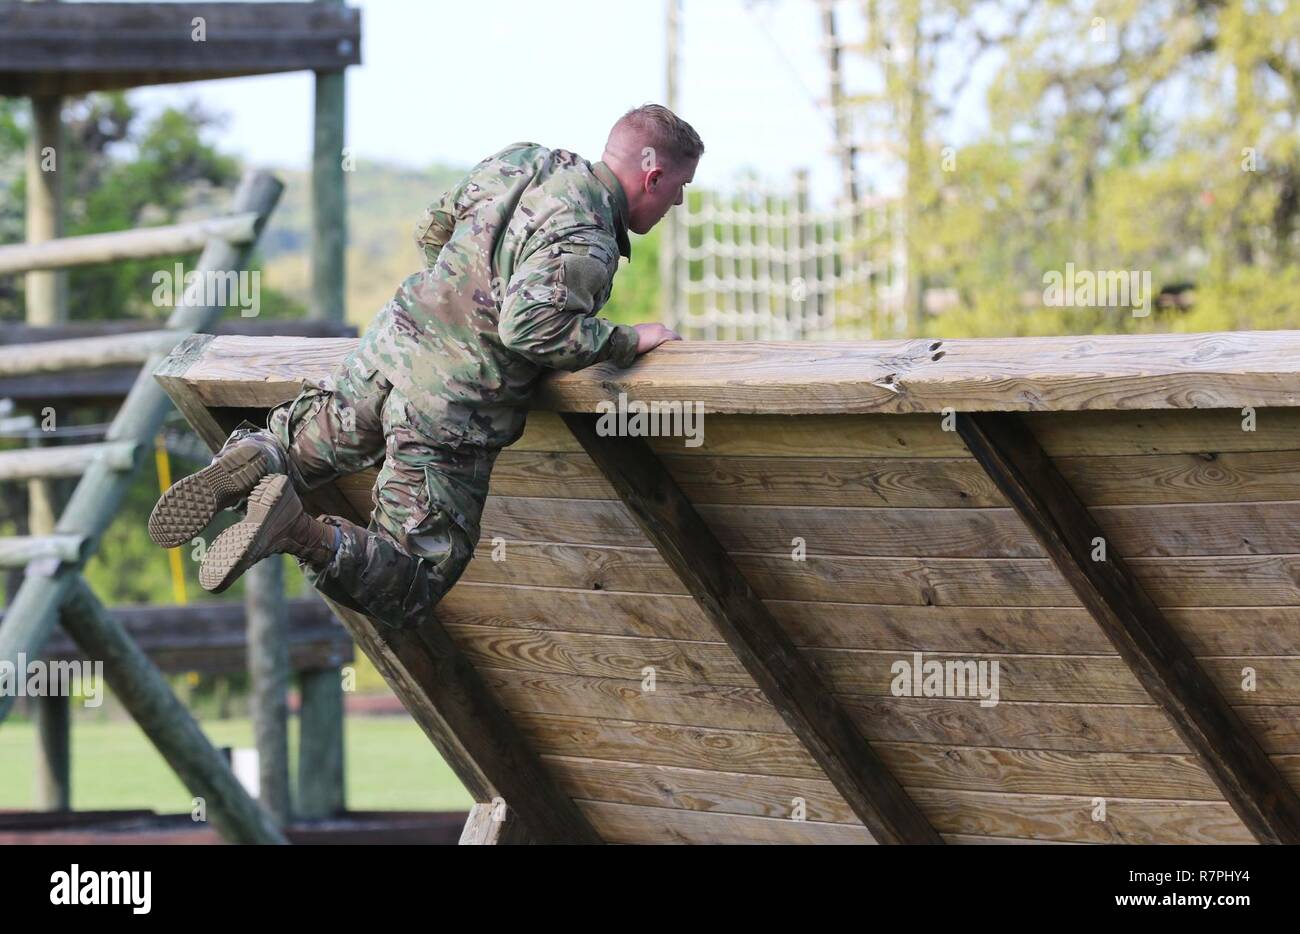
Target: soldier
518 258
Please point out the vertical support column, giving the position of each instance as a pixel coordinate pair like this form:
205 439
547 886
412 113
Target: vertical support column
268 672
805 264
329 235
844 147
54 748
46 295
916 158
46 291
669 299
52 715
321 784
320 737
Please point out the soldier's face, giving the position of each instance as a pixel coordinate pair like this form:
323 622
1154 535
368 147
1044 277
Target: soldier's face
661 189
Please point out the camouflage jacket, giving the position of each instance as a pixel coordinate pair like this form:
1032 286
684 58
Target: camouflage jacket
518 257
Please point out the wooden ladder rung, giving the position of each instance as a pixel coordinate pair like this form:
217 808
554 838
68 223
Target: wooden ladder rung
86 353
19 550
64 460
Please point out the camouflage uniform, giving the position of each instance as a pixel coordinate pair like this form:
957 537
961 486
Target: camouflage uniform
518 258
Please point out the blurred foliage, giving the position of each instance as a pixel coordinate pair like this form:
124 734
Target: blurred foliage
121 170
1158 135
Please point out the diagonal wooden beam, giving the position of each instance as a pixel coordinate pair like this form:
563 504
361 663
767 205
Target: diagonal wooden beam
1252 785
448 698
792 685
144 692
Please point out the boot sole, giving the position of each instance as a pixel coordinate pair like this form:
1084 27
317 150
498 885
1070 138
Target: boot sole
242 545
190 504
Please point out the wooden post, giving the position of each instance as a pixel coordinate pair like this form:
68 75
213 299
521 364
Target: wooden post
329 235
53 758
668 297
52 713
142 689
809 308
321 785
46 291
844 147
268 674
47 305
34 610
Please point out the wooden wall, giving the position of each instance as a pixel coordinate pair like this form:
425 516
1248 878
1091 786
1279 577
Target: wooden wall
909 548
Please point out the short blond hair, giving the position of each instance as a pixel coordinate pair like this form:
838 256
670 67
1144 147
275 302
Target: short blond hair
663 130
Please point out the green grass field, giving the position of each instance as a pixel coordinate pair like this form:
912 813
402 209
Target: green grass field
390 766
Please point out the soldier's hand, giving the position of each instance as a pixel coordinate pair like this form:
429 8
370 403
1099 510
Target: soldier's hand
650 336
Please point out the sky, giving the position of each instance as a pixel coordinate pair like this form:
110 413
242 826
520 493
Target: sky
453 80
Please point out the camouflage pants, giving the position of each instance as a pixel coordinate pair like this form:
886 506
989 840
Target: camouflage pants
426 502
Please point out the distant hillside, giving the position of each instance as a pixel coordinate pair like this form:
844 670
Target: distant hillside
384 204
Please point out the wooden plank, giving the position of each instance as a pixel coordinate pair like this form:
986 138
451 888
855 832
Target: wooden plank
771 659
170 376
1259 794
1173 530
1119 480
828 435
1250 580
108 385
918 765
1080 434
211 636
885 718
65 460
619 823
1238 630
75 48
1038 678
105 387
1119 372
19 333
1059 818
1156 371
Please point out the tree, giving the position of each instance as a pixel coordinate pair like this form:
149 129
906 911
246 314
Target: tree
1159 136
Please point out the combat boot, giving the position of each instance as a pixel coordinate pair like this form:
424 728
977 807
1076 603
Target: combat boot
191 503
275 524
